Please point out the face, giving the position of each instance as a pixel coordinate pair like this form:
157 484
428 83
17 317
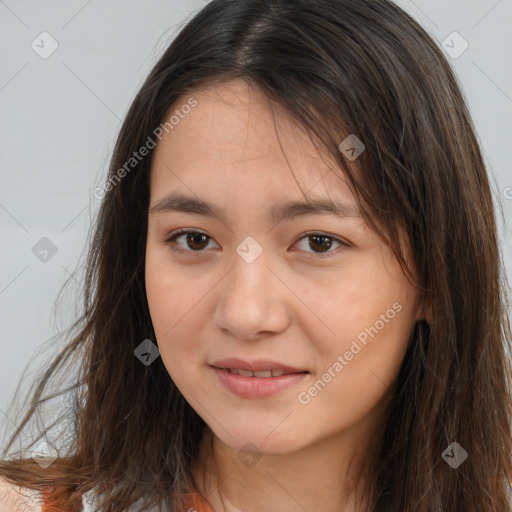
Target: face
281 326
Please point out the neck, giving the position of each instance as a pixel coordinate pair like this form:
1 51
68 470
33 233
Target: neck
329 475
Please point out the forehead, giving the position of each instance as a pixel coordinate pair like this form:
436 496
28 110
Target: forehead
236 137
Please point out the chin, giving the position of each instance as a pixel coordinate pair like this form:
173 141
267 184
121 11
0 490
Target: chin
258 441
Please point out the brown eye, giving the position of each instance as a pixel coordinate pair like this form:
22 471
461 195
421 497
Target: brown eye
196 241
322 242
319 245
188 241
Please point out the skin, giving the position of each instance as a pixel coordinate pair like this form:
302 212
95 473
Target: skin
18 499
290 305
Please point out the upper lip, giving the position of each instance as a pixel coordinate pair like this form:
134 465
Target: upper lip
254 366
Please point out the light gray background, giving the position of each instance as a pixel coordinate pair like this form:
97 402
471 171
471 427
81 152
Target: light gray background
60 116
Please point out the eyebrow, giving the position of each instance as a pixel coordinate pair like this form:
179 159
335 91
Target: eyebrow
282 211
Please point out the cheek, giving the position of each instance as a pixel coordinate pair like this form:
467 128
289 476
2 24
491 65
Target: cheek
371 313
177 311
171 292
172 299
355 376
358 300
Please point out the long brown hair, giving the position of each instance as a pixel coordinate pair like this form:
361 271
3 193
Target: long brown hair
339 67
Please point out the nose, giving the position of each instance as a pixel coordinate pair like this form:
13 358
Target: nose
253 303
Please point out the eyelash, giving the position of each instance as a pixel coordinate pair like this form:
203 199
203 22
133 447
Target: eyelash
175 235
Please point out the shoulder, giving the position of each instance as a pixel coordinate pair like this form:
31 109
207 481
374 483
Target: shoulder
18 499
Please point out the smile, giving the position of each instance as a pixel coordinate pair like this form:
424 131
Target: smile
261 374
258 384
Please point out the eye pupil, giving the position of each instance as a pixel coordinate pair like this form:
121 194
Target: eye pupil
197 241
192 238
319 239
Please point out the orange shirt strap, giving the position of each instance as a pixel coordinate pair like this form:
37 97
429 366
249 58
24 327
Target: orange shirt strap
192 502
48 505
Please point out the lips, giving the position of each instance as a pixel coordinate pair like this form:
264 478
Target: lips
259 368
257 379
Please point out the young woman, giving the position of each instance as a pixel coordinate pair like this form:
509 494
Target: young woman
294 298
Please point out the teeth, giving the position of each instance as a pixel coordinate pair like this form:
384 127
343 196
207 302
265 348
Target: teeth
259 373
263 373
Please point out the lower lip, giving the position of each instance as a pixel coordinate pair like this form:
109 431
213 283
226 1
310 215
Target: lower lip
257 387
